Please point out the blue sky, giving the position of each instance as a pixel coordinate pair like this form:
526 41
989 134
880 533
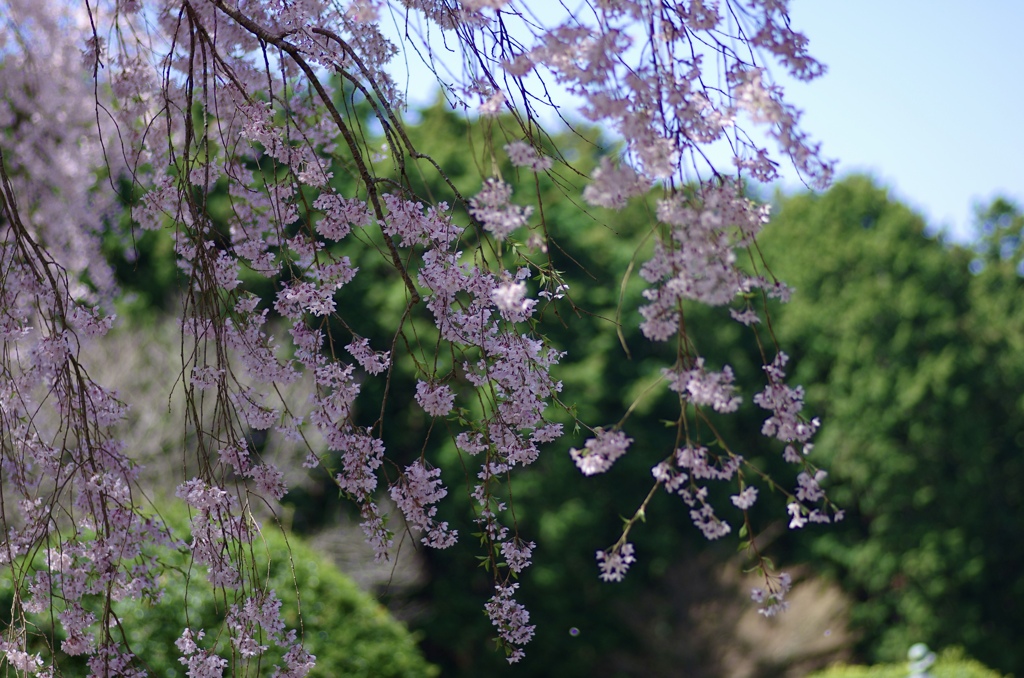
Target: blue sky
926 95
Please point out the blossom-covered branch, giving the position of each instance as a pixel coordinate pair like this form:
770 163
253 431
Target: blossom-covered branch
155 108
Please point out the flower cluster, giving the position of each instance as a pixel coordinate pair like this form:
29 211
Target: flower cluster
705 388
492 207
436 399
614 564
416 495
522 154
698 262
601 451
371 361
785 404
512 621
772 597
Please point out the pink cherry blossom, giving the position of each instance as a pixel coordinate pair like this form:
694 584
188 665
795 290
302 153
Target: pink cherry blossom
92 102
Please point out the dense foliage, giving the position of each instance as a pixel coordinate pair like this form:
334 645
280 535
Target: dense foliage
912 347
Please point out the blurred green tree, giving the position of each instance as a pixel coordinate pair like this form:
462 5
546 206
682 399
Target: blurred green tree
914 364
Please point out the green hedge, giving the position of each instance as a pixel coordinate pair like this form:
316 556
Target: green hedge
951 663
349 632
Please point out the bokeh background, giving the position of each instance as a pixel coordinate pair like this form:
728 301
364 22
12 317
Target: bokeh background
907 328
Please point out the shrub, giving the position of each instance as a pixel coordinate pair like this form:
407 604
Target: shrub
350 634
952 663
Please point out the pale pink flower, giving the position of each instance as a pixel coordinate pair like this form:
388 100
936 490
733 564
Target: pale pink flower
522 154
436 399
492 208
745 499
601 451
614 564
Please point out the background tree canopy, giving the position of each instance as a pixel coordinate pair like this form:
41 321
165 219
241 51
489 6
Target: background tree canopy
911 349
